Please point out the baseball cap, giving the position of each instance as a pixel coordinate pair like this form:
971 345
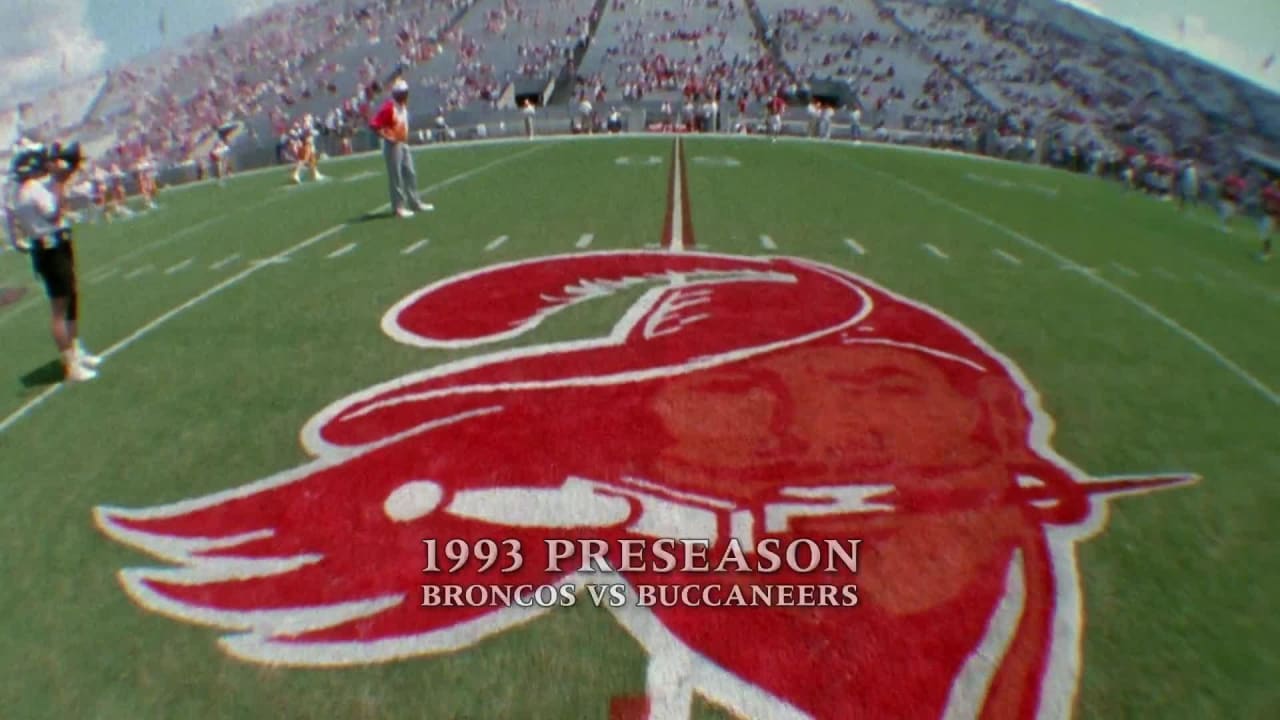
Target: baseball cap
29 162
399 86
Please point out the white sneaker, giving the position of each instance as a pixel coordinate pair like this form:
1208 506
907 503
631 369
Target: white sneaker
318 177
89 360
79 373
404 213
424 207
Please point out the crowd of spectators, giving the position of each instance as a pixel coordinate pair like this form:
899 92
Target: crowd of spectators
1037 76
698 50
859 42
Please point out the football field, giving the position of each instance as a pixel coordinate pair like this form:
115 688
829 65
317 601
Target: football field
234 318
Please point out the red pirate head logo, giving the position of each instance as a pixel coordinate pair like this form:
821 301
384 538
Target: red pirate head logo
735 399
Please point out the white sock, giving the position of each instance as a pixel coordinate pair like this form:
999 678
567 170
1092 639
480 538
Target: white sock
70 357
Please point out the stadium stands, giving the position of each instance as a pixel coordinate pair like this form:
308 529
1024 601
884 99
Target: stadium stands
1035 70
667 52
892 69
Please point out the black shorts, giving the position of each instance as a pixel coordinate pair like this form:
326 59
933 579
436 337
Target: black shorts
56 266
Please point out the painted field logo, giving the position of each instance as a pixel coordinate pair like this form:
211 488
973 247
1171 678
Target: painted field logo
736 398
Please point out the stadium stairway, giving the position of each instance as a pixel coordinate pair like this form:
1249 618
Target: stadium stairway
566 81
92 108
770 42
946 67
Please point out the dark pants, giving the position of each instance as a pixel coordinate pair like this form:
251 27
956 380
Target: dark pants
56 265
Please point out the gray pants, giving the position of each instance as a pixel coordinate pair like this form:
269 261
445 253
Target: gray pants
401 177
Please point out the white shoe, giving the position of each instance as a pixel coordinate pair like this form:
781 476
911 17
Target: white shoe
79 373
404 213
89 360
318 177
424 207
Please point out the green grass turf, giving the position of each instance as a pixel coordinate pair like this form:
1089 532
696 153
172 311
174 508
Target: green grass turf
1179 590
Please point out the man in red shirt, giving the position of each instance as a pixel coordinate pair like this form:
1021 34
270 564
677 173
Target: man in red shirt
1229 197
1270 216
776 107
392 125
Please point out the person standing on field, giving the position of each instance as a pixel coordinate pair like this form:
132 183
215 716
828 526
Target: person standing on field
528 111
36 224
392 125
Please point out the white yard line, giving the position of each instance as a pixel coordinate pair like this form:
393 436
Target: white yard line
1204 280
361 176
415 247
584 242
140 271
180 266
1165 274
225 261
855 246
1125 270
150 327
1241 281
496 243
179 235
13 312
341 251
1173 325
1011 259
99 277
936 251
767 243
186 231
677 202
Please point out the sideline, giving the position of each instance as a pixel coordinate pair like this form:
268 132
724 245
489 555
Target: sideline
1262 388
